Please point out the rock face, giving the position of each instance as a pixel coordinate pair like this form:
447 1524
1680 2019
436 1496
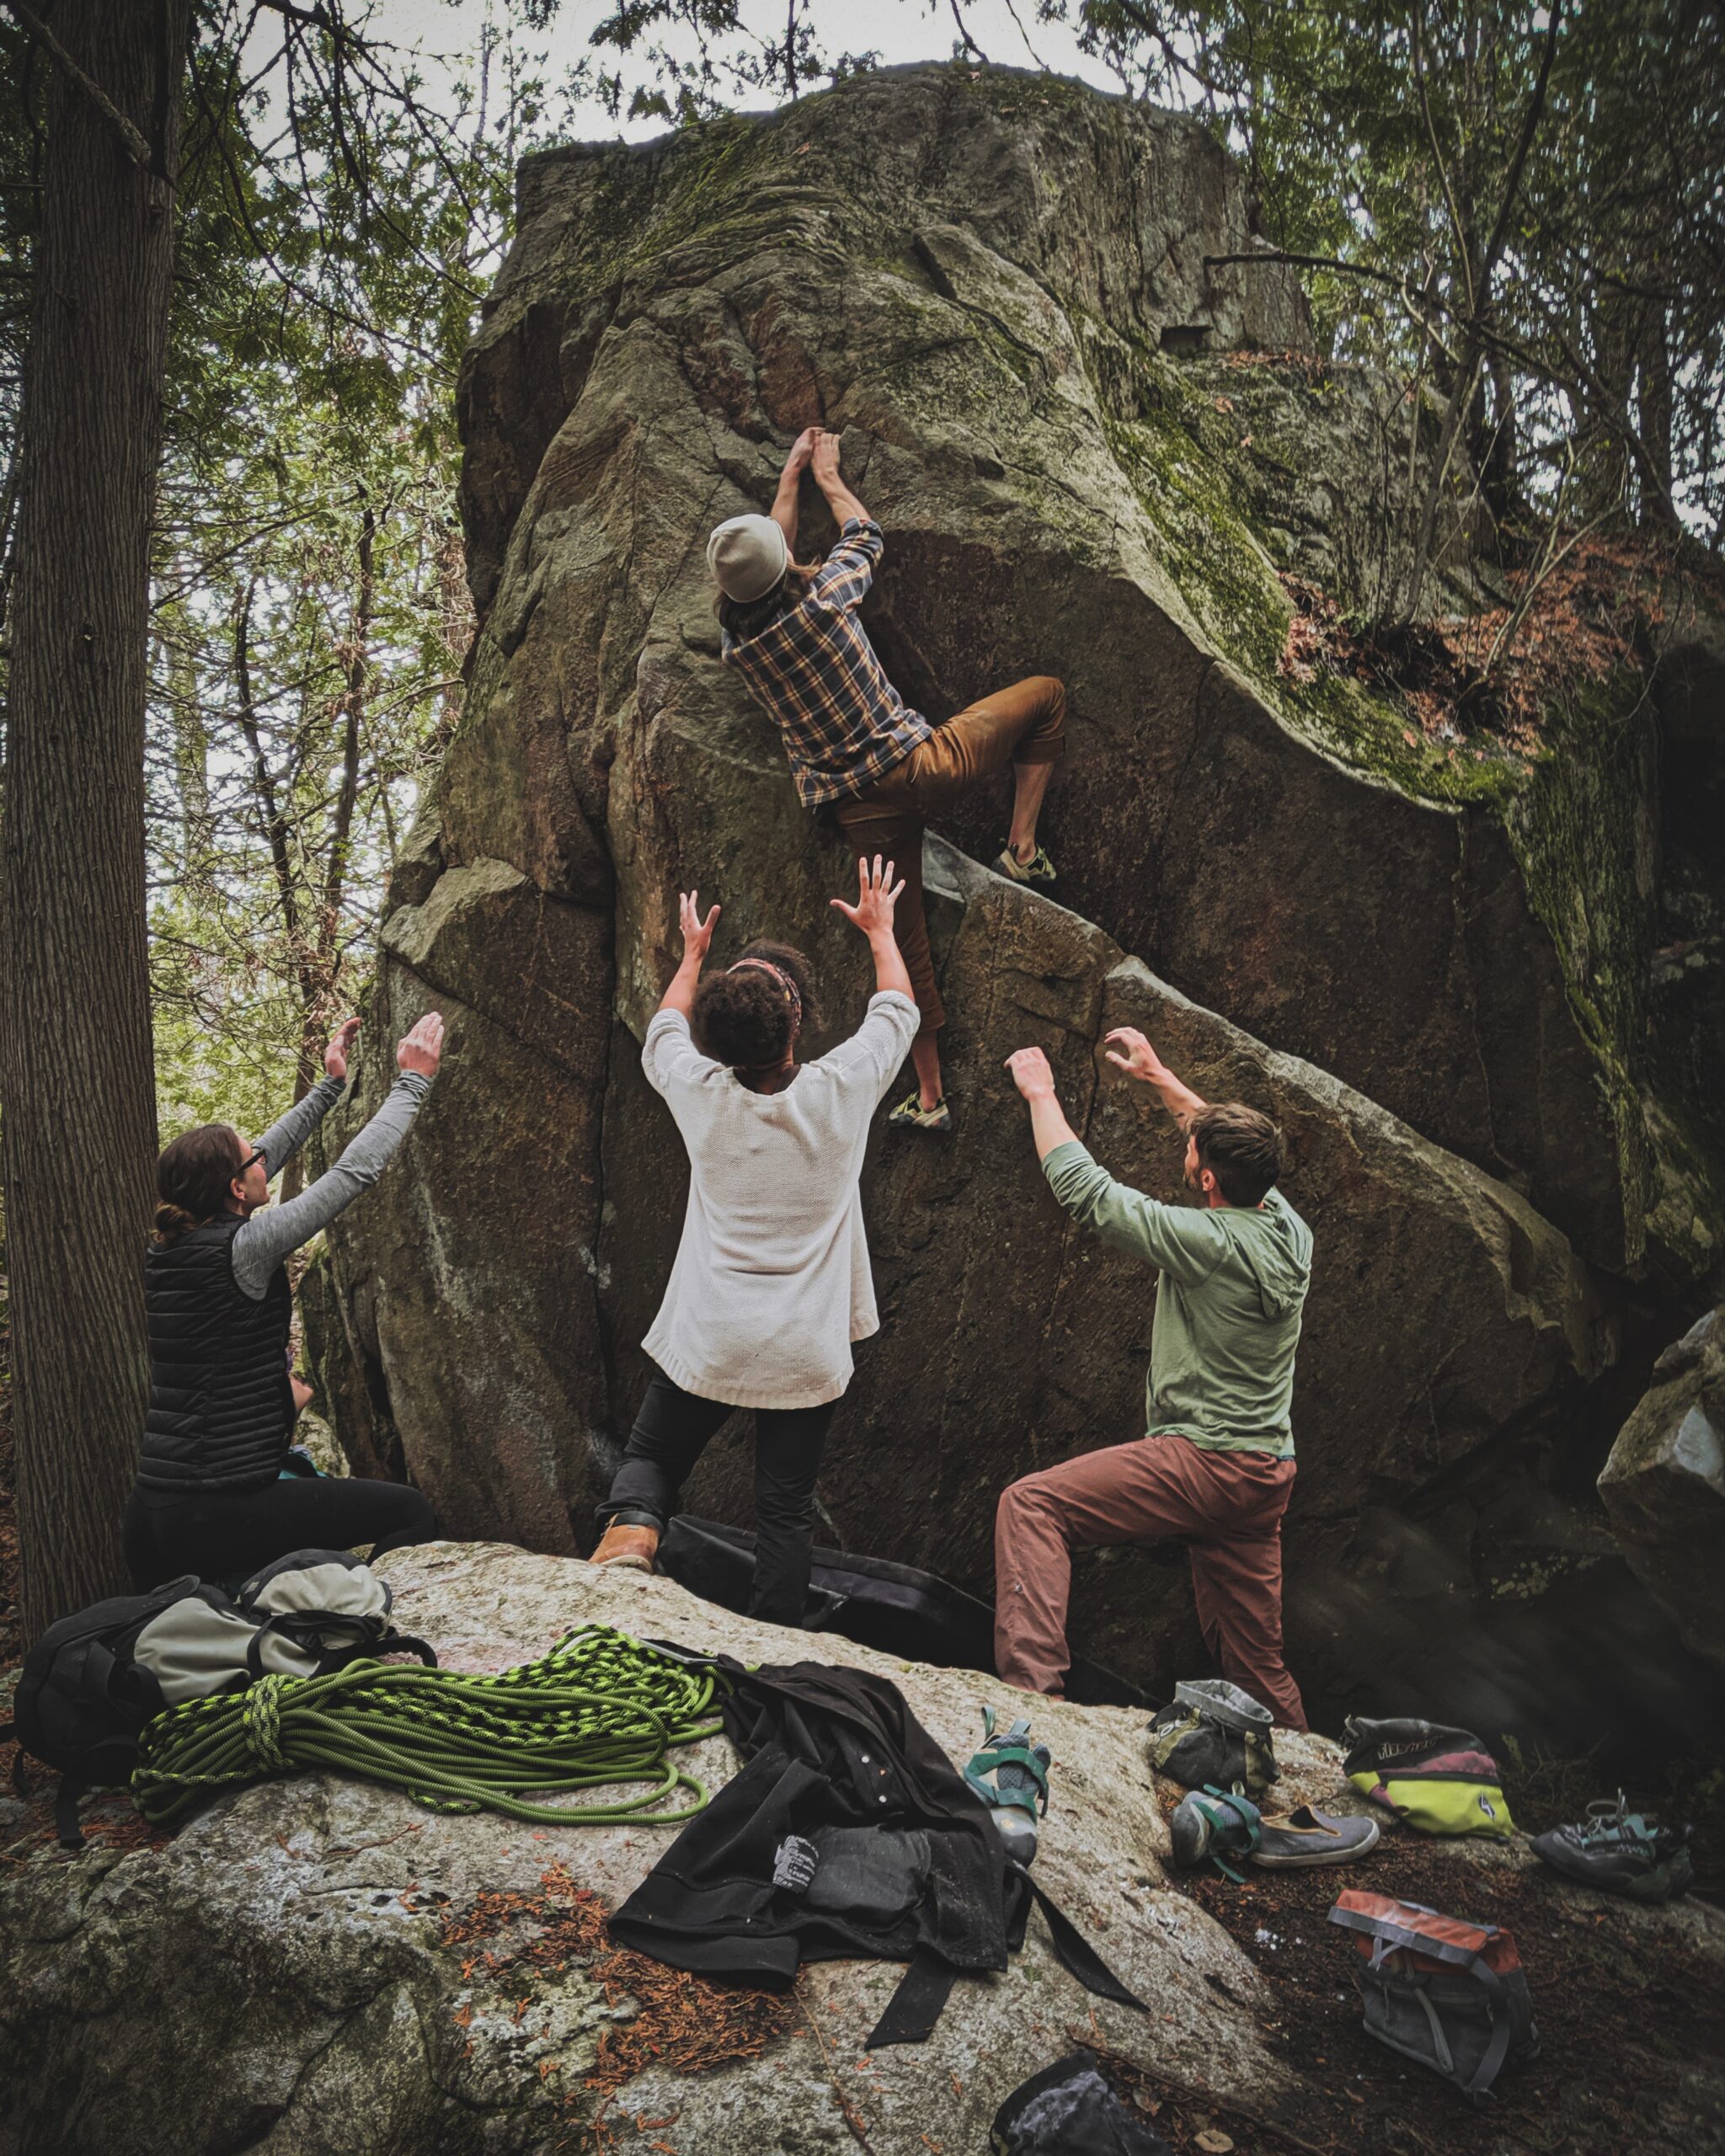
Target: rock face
1664 1486
318 1968
995 288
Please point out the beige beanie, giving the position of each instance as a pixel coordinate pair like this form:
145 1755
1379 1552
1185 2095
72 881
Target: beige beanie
747 556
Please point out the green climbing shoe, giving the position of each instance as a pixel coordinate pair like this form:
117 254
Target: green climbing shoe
1214 1824
1020 1785
1038 869
911 1115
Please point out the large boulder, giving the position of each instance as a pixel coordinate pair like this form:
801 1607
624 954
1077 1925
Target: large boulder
316 1966
984 283
1664 1486
987 285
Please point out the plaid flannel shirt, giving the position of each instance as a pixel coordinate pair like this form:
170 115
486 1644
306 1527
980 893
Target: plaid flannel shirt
843 723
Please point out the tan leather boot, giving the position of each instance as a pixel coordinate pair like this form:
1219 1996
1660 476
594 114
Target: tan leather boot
633 1547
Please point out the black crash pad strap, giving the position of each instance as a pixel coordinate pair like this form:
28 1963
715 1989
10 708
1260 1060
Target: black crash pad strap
915 2009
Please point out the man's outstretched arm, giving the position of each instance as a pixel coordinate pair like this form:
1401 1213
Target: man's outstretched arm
1140 1060
824 459
1177 1239
784 509
1049 1127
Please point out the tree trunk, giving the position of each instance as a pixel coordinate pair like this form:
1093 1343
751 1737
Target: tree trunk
76 1068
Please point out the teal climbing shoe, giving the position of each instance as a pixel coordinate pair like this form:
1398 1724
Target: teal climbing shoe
1020 1784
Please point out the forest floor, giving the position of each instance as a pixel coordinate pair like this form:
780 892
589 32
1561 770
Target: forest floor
1631 2003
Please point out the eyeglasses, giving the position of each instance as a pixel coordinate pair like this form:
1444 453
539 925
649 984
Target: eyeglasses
249 1161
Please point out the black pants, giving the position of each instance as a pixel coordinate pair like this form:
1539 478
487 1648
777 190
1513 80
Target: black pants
224 1534
670 1435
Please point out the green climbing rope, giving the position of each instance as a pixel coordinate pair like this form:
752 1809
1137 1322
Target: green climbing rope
601 1709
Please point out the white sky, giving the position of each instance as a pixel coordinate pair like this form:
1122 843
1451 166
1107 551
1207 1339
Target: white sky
899 30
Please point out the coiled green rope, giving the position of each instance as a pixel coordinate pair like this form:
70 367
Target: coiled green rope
600 1709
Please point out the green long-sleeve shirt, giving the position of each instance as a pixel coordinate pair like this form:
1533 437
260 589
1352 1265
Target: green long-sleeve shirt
1227 1307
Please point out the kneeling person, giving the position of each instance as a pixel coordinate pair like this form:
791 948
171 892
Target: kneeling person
1216 1468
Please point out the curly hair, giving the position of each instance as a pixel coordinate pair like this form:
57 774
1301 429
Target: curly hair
744 1018
192 1176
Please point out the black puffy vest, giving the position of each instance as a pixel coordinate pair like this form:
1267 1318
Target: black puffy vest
221 1407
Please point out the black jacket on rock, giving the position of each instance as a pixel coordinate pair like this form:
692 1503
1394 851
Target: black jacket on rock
847 1835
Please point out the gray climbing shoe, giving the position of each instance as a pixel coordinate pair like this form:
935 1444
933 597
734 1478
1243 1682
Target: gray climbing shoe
1620 1852
1303 1836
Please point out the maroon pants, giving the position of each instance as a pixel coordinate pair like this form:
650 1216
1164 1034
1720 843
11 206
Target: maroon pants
1227 1505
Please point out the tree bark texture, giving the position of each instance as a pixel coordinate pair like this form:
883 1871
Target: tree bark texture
76 1065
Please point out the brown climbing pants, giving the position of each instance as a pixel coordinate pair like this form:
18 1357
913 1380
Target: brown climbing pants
1227 1506
1024 724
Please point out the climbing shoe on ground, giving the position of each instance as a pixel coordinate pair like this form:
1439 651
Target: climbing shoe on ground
1019 1788
1620 1852
1213 1826
1038 869
633 1548
1303 1836
911 1115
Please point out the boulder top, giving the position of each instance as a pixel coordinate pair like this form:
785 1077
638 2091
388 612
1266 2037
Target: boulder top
1112 203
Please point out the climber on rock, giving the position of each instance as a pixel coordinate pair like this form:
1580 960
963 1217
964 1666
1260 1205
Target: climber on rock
1217 1466
857 749
772 1284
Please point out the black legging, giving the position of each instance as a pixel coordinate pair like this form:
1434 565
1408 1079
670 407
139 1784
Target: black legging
226 1533
671 1433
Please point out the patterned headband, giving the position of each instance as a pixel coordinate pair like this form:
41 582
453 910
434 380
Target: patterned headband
784 980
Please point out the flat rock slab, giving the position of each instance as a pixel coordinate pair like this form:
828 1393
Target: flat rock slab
318 1965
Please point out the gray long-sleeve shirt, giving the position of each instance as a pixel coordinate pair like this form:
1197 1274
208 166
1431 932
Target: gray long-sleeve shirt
262 1242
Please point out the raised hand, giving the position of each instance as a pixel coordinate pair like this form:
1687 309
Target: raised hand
801 448
1140 1060
422 1049
697 934
877 894
1031 1074
824 457
341 1043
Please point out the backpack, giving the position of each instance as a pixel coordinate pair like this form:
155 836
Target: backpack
1449 1993
1215 1738
93 1680
1441 1780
